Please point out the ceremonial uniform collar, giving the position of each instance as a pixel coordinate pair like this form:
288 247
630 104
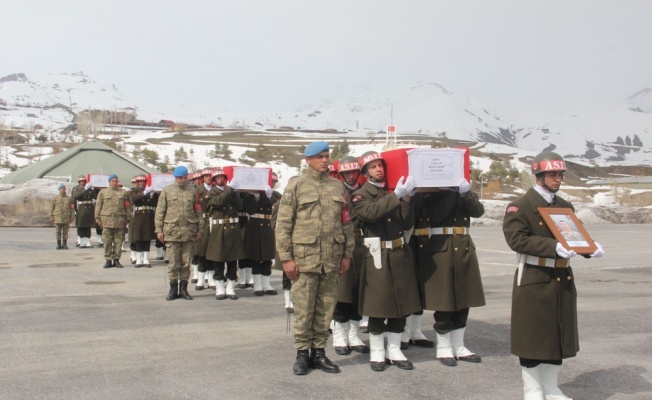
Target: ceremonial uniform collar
547 196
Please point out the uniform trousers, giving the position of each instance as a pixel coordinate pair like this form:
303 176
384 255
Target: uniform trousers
140 245
113 238
179 254
84 232
260 267
61 231
447 321
314 296
377 326
231 270
345 312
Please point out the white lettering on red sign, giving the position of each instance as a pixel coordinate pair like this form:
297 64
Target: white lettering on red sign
554 165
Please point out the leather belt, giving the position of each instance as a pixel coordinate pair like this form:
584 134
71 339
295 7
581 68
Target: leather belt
452 230
357 232
84 202
392 244
261 216
225 221
145 208
547 262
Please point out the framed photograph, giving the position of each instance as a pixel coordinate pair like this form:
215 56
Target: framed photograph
567 229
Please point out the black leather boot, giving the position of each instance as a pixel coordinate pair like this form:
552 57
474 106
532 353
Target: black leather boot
301 364
58 244
174 291
183 290
64 245
108 264
116 263
319 360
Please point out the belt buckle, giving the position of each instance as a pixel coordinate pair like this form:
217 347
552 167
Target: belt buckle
458 230
561 263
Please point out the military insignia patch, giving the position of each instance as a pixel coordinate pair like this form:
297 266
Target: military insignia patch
356 199
287 198
512 209
345 215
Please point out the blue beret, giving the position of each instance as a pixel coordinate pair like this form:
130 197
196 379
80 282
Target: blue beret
180 171
61 185
112 176
315 148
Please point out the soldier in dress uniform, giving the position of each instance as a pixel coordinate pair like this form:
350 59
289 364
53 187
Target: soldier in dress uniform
346 316
205 269
225 245
388 285
141 228
178 223
130 237
197 179
314 239
544 298
448 266
245 277
83 201
260 245
61 215
112 215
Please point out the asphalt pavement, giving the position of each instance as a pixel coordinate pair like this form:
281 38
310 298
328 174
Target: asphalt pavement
72 330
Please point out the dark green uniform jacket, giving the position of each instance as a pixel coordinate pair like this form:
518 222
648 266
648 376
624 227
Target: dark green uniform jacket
225 242
200 247
391 291
141 227
260 244
348 289
448 264
84 205
544 306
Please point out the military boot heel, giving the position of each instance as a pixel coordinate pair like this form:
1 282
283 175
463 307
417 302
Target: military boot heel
301 364
174 291
319 360
183 290
64 245
58 244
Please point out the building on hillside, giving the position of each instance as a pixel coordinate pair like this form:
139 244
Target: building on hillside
87 158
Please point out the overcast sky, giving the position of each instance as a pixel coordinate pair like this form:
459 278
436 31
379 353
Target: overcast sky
277 54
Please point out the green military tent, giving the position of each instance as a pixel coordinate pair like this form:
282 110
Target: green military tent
87 158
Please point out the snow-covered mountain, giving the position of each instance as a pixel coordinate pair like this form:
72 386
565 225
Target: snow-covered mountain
615 134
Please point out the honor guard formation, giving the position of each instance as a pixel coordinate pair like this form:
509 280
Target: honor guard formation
358 254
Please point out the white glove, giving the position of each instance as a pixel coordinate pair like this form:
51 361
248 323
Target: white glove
148 190
464 186
564 253
269 192
88 186
599 252
234 183
404 186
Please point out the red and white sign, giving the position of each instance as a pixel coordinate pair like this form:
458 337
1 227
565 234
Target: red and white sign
391 128
159 181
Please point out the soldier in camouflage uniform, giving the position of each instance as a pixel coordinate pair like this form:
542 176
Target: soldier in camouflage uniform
179 224
112 215
225 245
83 200
141 228
388 285
346 316
61 216
314 239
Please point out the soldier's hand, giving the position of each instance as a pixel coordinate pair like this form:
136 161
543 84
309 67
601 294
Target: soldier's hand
197 236
161 237
345 264
291 270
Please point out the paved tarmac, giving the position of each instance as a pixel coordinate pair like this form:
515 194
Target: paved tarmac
72 330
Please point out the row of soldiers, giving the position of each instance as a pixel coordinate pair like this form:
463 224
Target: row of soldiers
408 252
